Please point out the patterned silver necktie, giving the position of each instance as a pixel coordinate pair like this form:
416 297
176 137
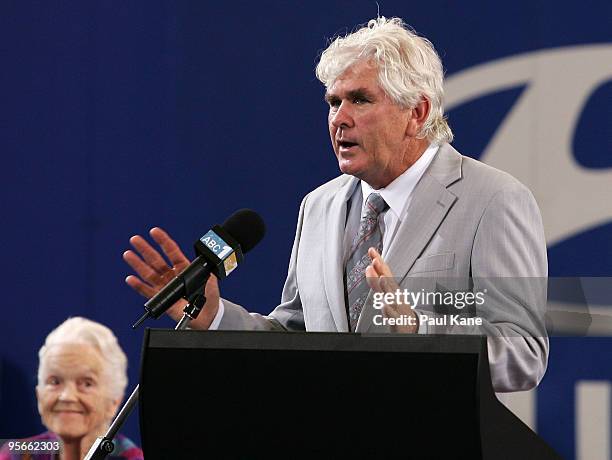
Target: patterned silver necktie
368 236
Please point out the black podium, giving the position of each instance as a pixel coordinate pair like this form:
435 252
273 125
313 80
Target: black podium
322 395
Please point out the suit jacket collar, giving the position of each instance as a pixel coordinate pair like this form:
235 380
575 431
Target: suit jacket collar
446 166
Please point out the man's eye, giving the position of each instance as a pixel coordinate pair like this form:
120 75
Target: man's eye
53 381
360 100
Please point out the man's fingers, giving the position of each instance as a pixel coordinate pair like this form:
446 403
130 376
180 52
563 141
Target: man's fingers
372 271
139 286
212 287
169 246
398 311
143 269
379 264
379 275
149 254
388 284
390 311
374 255
382 268
372 278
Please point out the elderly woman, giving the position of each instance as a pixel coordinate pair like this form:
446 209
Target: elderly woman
81 382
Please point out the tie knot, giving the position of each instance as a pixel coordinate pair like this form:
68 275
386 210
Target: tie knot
375 204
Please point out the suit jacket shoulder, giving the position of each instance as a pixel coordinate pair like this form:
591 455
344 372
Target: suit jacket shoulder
321 197
487 180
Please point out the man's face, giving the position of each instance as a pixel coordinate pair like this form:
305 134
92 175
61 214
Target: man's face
73 398
369 132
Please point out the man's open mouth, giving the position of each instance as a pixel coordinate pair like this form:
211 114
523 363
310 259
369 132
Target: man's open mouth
346 144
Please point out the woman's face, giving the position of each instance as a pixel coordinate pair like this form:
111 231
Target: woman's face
73 396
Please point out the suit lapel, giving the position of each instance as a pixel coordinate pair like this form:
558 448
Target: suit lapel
333 270
425 215
430 204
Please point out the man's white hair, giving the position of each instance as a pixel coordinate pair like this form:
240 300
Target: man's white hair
83 331
408 68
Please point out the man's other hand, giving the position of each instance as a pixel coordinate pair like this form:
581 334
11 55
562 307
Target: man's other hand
153 273
380 278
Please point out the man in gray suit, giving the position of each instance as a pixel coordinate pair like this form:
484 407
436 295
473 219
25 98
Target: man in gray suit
409 212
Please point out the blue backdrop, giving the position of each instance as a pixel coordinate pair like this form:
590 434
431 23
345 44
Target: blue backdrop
118 116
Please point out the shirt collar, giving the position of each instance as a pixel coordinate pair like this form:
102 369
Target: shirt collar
397 193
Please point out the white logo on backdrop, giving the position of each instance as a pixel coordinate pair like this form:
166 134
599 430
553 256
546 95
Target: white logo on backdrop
534 141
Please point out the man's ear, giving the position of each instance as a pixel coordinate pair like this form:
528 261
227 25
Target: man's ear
417 118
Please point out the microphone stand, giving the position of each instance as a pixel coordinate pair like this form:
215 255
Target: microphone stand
103 446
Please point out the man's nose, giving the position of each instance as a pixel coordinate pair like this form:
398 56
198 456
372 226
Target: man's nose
68 392
342 117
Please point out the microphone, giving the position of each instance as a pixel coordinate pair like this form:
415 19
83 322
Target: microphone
219 251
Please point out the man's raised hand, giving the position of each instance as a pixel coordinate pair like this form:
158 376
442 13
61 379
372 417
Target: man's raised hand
153 273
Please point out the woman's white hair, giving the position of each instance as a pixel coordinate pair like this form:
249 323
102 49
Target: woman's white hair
408 68
83 331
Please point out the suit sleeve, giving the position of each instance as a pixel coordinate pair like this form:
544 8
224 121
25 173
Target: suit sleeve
509 264
287 316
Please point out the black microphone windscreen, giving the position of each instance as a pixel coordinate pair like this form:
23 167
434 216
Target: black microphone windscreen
246 227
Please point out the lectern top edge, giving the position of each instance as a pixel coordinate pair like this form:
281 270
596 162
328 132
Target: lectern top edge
314 341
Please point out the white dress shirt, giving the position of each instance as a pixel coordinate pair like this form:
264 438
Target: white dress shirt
398 195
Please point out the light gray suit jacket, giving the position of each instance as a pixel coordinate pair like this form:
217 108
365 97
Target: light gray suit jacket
469 227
